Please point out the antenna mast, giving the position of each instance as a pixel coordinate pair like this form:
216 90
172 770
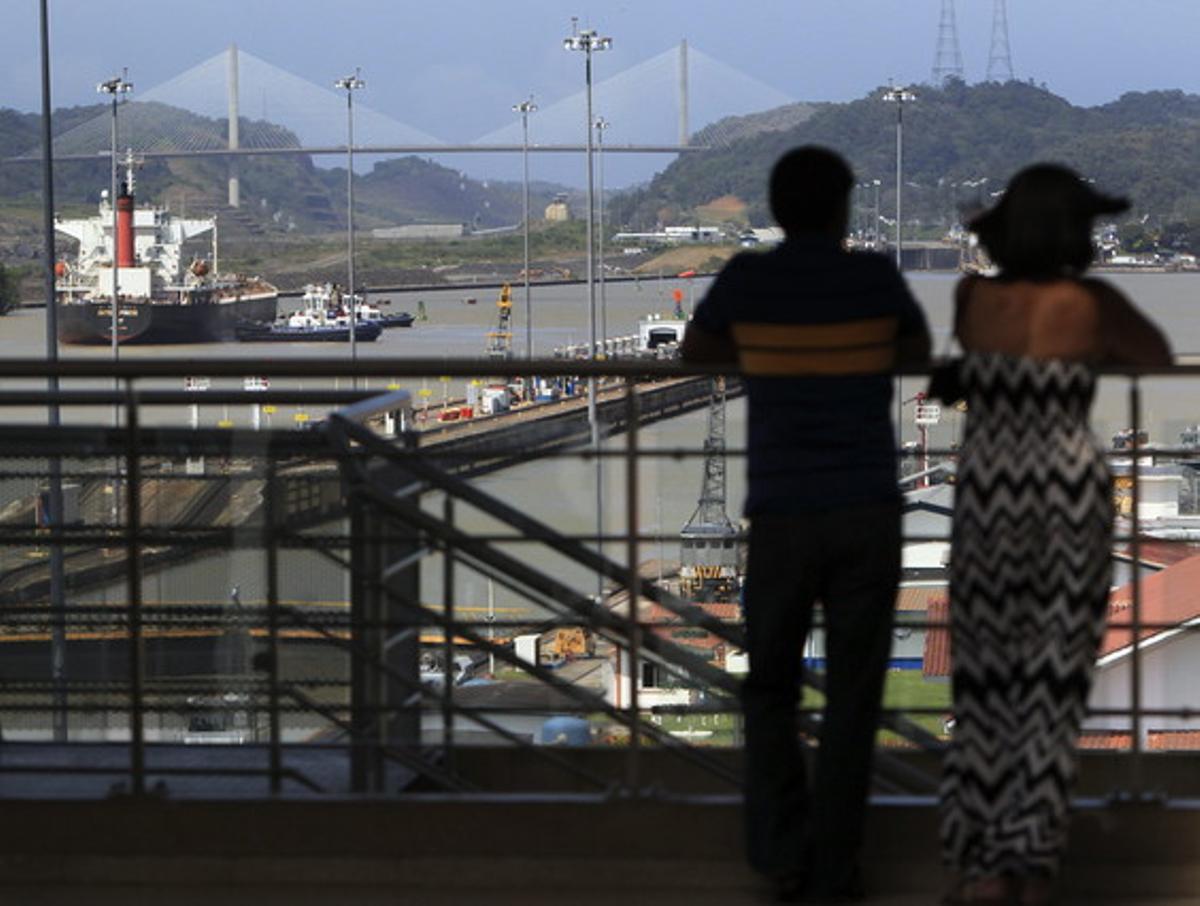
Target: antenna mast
1000 68
947 63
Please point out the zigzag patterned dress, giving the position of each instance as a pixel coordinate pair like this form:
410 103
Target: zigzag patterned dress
1029 581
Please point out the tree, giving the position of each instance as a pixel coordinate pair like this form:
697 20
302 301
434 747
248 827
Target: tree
10 287
1137 237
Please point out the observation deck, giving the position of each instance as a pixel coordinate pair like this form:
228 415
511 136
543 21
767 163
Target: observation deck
363 778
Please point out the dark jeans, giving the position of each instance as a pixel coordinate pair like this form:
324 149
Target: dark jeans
847 559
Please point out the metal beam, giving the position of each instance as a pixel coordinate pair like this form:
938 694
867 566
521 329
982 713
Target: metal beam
373 149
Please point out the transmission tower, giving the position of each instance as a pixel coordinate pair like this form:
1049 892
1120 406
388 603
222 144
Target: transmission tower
709 555
947 63
1000 68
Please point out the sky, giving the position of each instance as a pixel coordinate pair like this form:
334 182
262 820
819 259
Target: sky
454 68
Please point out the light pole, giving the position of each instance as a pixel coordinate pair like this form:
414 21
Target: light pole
114 87
899 96
601 125
862 212
875 221
350 84
525 108
588 41
58 628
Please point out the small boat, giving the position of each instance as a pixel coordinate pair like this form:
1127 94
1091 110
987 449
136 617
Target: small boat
399 319
365 332
330 303
365 311
314 322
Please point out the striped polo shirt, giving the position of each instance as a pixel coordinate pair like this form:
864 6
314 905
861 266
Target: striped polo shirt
816 330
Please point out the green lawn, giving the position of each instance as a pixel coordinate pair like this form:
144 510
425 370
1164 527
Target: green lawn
902 689
906 689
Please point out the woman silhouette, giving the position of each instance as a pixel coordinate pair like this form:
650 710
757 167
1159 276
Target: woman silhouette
1030 568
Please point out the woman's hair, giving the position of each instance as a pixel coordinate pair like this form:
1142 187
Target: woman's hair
1042 227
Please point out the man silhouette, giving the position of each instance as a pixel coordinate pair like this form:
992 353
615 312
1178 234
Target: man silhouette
817 332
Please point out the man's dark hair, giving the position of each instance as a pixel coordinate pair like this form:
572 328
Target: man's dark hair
1042 228
809 189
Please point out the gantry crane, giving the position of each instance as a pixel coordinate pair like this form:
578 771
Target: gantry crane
709 541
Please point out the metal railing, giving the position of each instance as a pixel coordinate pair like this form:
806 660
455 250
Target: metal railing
276 611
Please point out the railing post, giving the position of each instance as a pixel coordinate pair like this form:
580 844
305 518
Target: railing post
448 593
1136 780
633 765
377 628
360 699
397 576
133 575
384 580
275 751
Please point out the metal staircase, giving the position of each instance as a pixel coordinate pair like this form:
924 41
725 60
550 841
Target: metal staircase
392 533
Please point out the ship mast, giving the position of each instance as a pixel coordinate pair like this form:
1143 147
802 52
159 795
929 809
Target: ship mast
131 162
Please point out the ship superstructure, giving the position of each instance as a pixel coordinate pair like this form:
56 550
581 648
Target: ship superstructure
159 300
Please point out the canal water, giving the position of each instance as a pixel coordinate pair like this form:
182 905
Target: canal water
563 492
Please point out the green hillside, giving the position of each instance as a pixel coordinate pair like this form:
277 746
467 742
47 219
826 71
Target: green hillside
280 194
1144 145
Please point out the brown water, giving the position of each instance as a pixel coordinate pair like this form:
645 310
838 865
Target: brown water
563 492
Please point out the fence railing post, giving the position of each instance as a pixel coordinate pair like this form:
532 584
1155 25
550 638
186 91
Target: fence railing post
448 593
361 712
1136 780
275 743
133 575
633 766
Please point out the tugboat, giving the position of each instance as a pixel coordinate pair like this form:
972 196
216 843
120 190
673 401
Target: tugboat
365 332
339 306
158 300
315 322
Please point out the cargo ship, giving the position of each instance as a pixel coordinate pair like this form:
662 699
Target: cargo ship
159 299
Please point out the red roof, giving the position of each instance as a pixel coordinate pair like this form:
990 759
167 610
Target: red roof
706 642
936 658
1171 596
1173 740
917 598
1106 741
652 613
1162 553
1156 740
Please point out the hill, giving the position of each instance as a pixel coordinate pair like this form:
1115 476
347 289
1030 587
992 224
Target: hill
280 194
962 142
416 190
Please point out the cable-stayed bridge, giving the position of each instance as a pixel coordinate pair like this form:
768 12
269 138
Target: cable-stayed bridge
651 107
661 101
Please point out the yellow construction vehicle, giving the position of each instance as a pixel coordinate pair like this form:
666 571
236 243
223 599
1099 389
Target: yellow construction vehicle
567 643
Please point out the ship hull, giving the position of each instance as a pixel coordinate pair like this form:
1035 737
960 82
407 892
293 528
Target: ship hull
365 332
89 322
